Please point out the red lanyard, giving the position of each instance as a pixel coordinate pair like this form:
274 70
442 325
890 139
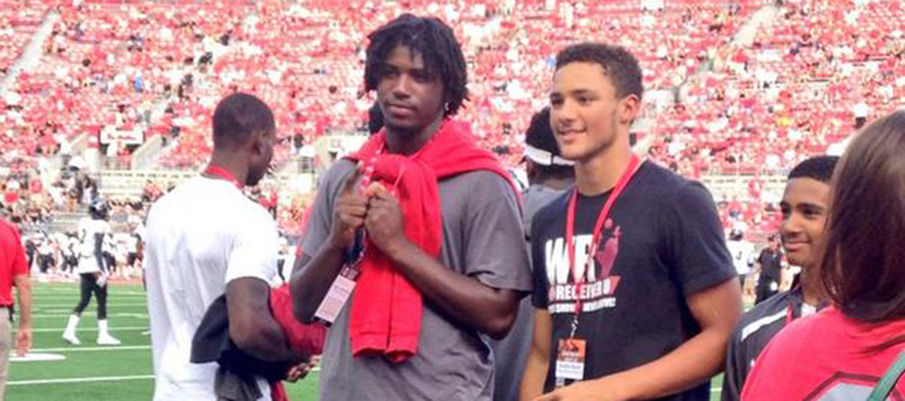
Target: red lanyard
630 171
223 173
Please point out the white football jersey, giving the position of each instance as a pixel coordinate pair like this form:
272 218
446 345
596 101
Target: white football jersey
92 234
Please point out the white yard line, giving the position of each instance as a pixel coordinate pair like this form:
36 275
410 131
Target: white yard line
79 380
91 307
76 288
97 379
88 313
92 349
75 291
53 311
75 301
40 298
112 328
75 294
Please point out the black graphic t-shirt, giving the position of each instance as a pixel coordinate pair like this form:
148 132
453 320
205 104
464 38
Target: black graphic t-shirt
662 242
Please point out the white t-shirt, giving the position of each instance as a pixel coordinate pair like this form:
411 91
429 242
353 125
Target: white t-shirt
200 236
45 249
742 254
90 232
131 241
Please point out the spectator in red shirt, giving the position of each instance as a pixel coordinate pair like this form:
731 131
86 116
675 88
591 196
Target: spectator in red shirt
11 193
13 272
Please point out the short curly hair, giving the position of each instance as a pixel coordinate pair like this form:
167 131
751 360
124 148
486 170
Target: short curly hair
618 64
819 168
437 44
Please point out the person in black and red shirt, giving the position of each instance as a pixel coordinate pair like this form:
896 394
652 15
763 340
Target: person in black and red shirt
643 310
804 205
842 352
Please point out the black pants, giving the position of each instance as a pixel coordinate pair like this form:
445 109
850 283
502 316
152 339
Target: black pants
70 263
132 258
764 291
110 262
89 286
45 262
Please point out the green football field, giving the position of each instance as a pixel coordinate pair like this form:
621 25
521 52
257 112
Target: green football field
101 373
92 372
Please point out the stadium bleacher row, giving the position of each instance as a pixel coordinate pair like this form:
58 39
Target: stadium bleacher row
735 108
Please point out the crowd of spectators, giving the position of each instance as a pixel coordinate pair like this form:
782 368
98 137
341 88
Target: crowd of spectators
123 72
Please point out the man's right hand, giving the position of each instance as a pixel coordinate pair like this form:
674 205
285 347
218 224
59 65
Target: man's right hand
351 210
301 370
23 341
102 279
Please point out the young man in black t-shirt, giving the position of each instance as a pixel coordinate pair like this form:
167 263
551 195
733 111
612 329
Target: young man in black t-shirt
658 299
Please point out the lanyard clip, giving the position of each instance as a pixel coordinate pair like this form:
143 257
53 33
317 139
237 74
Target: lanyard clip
574 326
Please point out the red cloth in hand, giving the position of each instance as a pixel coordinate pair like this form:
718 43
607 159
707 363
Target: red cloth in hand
386 307
278 392
307 339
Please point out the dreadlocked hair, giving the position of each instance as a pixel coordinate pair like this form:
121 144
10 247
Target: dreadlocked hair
434 41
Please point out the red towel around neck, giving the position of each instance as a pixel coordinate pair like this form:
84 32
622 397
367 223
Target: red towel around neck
386 308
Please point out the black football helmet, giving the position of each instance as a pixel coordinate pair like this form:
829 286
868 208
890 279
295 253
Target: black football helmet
99 209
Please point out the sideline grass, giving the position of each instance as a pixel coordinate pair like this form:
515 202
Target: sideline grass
124 372
93 373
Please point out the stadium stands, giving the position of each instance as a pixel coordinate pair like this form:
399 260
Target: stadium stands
133 70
